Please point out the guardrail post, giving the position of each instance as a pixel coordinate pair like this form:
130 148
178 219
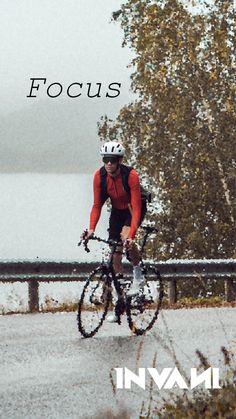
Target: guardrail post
33 295
229 290
172 291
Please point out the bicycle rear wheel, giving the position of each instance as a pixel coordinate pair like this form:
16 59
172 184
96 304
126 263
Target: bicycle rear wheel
142 309
94 302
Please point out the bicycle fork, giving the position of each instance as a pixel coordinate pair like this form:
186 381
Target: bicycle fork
120 304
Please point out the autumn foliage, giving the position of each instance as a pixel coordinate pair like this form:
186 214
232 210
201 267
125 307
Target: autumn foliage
180 130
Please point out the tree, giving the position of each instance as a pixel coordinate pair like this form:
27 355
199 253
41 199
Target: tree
180 132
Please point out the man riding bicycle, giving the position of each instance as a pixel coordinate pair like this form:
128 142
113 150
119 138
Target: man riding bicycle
127 211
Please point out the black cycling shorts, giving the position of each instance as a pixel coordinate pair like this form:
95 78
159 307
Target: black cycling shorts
120 218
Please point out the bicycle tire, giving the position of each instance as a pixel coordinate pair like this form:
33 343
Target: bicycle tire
94 302
143 309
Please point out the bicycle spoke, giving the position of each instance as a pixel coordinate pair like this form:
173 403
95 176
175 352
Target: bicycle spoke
94 303
143 309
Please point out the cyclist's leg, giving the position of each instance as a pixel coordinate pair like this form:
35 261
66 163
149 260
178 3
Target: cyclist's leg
134 255
133 251
119 307
117 260
115 226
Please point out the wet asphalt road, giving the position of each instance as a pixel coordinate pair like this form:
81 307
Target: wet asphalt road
48 371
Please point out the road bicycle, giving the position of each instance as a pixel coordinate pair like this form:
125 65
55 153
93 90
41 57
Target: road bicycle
103 287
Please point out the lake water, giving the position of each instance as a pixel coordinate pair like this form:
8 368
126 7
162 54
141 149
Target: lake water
43 215
41 218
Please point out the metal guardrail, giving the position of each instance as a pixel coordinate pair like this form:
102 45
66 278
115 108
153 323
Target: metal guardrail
171 270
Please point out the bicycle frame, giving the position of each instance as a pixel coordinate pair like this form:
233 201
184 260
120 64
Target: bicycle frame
135 307
114 244
108 266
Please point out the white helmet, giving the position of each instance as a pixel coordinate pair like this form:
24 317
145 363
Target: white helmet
112 148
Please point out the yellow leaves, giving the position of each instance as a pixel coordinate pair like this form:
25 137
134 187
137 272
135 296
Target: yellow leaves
224 54
152 12
184 186
184 75
213 74
222 51
161 74
230 106
173 116
191 56
220 45
163 71
202 159
194 237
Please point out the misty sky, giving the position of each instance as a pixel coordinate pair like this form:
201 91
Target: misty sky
63 41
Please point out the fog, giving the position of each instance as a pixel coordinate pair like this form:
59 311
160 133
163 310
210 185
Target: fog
65 42
52 137
42 216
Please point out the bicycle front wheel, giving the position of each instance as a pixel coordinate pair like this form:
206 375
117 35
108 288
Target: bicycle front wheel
142 309
94 303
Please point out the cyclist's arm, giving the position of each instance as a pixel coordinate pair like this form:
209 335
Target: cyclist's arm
135 202
97 202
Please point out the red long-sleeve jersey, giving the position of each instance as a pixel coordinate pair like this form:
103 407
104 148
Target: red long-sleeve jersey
120 199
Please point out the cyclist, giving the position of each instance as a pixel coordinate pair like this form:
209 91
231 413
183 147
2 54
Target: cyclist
126 213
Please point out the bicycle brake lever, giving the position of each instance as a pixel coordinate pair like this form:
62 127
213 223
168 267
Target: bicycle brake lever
85 243
83 240
86 246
